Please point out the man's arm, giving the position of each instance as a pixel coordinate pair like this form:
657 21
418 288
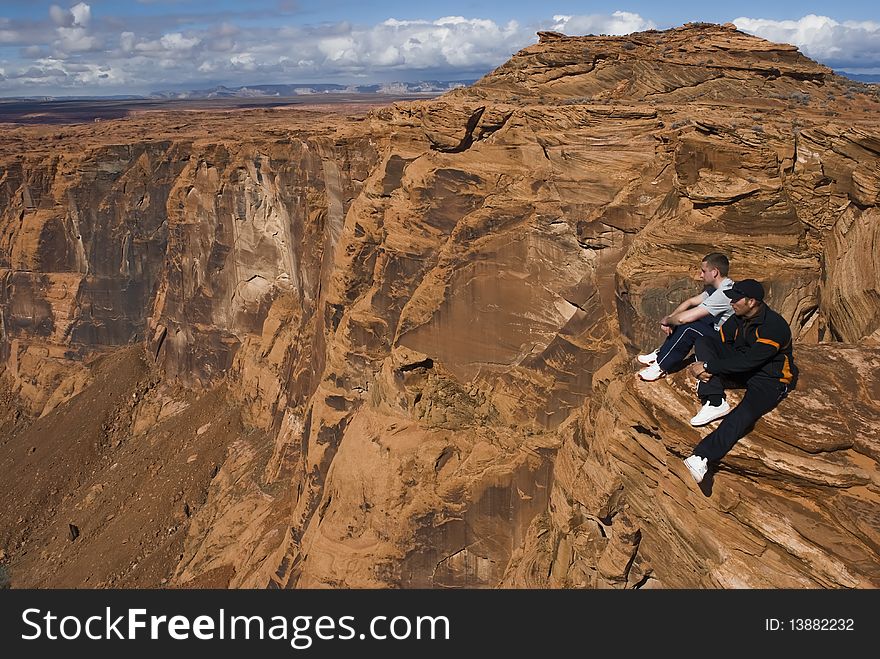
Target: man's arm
687 316
749 360
686 312
727 333
776 335
729 330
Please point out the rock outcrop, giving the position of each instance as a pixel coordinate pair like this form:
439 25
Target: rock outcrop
413 329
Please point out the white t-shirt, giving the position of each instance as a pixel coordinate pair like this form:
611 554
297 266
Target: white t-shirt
718 304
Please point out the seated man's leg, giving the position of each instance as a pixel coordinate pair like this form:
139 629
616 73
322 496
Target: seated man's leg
711 393
762 395
678 344
706 348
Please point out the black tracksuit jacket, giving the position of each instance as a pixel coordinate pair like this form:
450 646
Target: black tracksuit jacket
756 347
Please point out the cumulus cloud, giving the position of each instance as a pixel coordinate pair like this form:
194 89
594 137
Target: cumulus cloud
226 30
73 34
847 45
8 36
75 39
127 41
620 22
80 14
60 16
447 42
176 41
167 44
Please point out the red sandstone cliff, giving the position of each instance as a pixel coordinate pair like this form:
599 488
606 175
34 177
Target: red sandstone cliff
394 350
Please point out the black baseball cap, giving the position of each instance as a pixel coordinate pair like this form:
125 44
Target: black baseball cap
746 288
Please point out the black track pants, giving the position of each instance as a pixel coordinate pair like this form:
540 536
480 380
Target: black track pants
762 395
678 344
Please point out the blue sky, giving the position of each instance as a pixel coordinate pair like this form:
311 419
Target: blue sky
139 46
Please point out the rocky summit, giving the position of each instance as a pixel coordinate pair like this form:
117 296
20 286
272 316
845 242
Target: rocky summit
330 347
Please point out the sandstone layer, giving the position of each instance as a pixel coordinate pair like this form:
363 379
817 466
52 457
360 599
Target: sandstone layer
393 349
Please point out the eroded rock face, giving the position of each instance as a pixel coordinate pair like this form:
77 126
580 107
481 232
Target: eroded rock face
423 316
793 505
82 246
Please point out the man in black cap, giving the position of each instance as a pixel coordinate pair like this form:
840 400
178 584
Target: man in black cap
752 349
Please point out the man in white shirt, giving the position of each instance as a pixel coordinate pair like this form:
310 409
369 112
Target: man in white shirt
693 318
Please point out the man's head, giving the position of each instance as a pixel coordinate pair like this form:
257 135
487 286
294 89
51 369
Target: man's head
714 268
746 297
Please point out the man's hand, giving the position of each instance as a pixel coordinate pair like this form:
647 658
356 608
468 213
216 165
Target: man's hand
666 325
696 369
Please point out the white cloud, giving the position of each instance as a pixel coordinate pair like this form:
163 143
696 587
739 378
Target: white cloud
620 22
391 56
60 16
450 42
51 71
73 35
127 41
166 45
221 44
102 76
226 30
847 45
9 36
447 42
244 61
338 49
82 14
75 39
176 41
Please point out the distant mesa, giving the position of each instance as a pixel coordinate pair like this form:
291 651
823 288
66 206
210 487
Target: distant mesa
397 88
860 77
300 89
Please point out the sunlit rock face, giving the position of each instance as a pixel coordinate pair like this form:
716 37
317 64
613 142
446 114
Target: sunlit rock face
416 326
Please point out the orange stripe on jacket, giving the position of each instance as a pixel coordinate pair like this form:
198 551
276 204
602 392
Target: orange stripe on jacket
767 341
786 372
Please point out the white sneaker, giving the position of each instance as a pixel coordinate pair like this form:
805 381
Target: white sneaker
697 466
709 413
651 373
648 359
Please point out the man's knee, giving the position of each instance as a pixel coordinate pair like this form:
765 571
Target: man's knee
759 401
678 331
